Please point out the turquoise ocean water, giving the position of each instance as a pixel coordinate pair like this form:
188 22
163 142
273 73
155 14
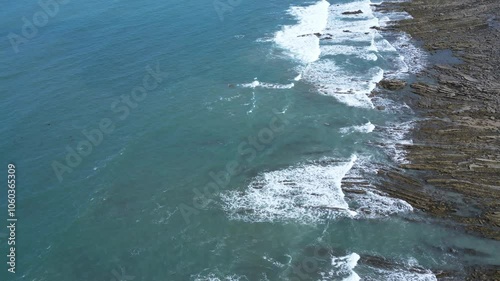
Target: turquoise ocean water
200 140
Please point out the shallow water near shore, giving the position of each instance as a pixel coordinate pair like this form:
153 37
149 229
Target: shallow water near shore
251 87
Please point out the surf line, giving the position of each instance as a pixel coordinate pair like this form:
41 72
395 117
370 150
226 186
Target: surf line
248 150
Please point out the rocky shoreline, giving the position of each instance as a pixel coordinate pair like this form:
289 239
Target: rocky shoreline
455 156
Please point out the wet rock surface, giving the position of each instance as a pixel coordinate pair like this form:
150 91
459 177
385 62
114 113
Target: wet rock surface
392 84
352 12
456 146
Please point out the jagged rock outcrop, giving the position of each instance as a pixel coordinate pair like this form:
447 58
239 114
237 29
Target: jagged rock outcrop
352 12
392 84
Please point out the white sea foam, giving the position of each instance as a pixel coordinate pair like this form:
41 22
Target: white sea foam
405 274
254 102
366 128
345 37
413 57
352 37
355 27
274 262
388 19
383 45
215 277
308 193
343 65
350 262
343 267
349 87
312 193
396 135
401 272
358 51
372 203
311 19
327 62
409 58
257 84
